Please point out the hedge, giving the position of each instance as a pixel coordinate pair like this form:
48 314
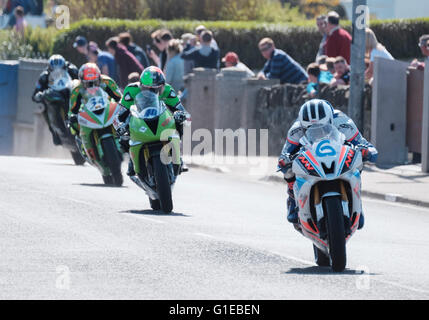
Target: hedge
399 36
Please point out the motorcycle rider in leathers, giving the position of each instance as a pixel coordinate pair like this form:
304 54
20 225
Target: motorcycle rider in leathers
319 112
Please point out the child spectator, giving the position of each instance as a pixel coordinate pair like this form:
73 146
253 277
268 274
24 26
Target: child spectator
175 68
342 72
315 77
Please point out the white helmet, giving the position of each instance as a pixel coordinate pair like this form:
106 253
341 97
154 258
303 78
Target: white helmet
316 112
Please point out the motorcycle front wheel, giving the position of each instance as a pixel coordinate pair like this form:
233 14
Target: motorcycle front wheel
163 187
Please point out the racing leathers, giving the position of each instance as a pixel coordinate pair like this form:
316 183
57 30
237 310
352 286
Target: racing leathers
79 97
43 84
352 135
166 95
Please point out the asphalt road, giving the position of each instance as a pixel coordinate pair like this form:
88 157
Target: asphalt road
63 235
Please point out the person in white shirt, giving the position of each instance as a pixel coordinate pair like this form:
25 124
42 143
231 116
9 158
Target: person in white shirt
231 60
374 49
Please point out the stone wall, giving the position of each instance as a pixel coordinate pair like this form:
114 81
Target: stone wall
277 108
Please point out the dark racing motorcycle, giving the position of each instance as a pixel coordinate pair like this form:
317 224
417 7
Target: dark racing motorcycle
56 101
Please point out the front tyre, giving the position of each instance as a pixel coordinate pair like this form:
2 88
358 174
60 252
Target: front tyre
163 187
113 161
155 204
336 232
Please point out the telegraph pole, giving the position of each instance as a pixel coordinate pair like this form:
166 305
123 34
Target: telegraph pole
357 76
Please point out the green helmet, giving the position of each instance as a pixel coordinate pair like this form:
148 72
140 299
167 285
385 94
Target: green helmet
152 77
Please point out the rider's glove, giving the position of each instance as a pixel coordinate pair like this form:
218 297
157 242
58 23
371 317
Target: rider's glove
180 117
285 162
38 97
369 153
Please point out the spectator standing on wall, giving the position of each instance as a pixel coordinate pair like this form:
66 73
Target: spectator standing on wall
280 65
175 68
127 40
127 62
104 60
204 56
374 49
231 60
160 39
322 23
342 72
424 47
339 41
189 40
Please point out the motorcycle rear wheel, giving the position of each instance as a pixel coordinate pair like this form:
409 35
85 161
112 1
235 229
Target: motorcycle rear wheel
336 233
77 158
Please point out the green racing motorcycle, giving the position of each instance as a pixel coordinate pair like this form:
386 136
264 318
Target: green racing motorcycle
154 149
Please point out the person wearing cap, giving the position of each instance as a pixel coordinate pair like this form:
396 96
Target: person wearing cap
104 60
232 61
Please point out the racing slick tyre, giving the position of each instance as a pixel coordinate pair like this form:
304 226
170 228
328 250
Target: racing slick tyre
113 161
77 158
336 232
163 187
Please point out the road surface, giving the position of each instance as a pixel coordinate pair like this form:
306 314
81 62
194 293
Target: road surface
63 235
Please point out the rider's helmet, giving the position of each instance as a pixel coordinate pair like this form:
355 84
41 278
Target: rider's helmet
56 62
90 75
152 78
316 112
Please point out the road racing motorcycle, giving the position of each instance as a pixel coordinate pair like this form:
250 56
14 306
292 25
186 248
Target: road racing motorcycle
154 149
328 193
95 119
56 101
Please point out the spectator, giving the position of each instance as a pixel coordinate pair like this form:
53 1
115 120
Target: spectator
424 47
199 31
231 60
322 23
81 45
20 24
160 38
127 40
189 40
175 68
315 77
204 56
338 42
374 49
133 77
330 65
342 72
280 65
127 62
104 60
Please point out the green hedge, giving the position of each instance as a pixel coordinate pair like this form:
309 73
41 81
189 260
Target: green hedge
301 42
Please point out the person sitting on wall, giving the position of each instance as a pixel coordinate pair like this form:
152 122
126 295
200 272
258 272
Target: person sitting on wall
342 72
424 47
280 65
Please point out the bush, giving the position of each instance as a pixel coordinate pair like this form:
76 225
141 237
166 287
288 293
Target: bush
301 42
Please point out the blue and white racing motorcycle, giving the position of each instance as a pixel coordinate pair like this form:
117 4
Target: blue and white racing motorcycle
328 192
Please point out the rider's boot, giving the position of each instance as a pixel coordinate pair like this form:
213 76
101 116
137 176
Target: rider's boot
131 171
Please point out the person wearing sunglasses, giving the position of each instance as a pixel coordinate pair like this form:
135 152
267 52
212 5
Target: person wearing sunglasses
424 47
280 65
